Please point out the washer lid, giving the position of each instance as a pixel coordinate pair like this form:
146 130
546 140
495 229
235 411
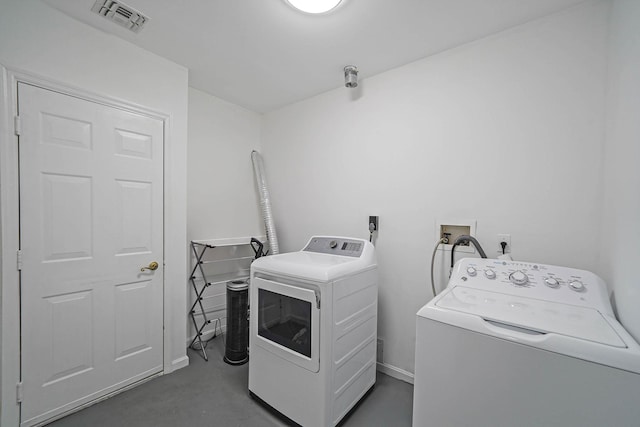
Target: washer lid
535 315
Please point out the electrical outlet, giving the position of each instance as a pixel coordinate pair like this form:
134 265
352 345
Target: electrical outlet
504 238
373 220
380 351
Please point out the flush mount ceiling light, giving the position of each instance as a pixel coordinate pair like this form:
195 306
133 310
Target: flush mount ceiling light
314 6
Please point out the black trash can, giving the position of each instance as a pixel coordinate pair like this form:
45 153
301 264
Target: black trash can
237 340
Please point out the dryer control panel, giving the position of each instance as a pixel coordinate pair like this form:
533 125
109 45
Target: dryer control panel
335 246
531 280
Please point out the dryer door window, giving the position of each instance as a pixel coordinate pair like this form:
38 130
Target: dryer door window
286 321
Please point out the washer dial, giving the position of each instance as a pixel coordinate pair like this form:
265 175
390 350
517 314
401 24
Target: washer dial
576 285
471 271
551 282
519 278
489 274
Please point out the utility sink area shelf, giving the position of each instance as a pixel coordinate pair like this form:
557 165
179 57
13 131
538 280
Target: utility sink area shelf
215 263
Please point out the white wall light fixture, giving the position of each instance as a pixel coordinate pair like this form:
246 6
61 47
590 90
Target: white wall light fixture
314 6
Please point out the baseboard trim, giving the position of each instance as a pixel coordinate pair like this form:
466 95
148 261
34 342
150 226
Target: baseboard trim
207 335
397 373
179 363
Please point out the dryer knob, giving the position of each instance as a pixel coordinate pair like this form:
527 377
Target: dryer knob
333 244
576 285
471 271
518 278
490 274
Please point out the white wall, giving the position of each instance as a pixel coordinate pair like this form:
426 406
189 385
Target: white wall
222 200
40 40
507 130
620 225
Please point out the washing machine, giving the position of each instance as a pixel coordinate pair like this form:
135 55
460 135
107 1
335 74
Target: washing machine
313 329
524 344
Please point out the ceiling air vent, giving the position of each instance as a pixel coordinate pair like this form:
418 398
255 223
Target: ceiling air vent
120 13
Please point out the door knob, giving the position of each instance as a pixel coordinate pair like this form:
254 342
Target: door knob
152 266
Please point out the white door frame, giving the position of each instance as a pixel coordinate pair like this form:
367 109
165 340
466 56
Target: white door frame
9 233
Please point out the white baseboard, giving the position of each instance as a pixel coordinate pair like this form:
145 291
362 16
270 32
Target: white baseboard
394 372
179 363
206 335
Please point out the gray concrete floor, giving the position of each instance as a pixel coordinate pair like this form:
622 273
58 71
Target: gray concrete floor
215 394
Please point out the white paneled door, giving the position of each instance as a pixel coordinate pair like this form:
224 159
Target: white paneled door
91 204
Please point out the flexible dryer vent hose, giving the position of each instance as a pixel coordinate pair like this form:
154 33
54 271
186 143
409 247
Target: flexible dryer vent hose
265 202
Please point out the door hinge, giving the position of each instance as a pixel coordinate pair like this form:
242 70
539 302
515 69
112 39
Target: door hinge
17 125
19 392
317 299
19 258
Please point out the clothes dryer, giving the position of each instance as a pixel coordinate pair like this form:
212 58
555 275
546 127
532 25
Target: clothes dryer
314 328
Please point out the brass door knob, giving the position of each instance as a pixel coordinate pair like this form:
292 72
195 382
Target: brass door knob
152 266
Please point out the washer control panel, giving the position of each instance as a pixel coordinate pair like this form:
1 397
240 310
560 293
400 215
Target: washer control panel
531 280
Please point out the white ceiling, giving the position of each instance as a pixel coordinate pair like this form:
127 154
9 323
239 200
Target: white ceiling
262 54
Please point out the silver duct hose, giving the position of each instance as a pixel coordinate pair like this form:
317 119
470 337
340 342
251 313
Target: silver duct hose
265 202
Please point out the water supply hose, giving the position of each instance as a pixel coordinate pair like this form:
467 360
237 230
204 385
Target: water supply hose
463 239
444 240
265 202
